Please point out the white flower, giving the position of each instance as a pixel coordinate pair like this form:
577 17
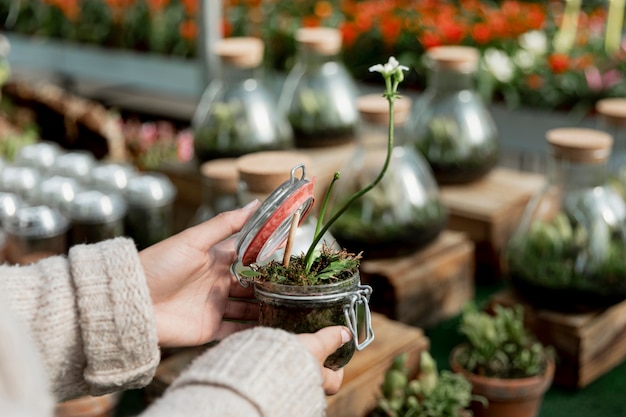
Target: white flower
389 68
499 64
524 59
534 42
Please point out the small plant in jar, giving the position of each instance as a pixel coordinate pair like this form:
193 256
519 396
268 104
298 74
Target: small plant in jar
320 287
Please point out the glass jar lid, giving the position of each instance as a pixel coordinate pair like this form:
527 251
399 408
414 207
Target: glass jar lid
112 176
268 228
240 52
36 222
374 108
56 191
221 175
20 180
454 57
94 206
75 164
151 189
613 110
10 203
324 41
581 145
40 155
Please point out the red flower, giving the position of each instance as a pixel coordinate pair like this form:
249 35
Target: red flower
188 29
349 33
534 81
390 28
429 40
481 32
559 63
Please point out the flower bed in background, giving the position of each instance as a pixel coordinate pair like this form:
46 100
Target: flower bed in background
549 54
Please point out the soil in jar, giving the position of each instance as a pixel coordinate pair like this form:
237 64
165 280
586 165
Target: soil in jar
323 137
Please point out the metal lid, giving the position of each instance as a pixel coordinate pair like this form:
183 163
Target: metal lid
36 222
268 228
10 203
580 144
94 206
57 192
75 164
112 176
150 189
20 180
40 155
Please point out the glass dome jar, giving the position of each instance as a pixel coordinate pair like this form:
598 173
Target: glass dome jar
150 217
403 212
34 233
450 124
237 112
20 180
96 216
569 248
612 119
319 93
57 192
220 180
112 176
41 155
74 164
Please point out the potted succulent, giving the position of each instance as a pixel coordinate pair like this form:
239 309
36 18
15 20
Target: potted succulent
429 394
504 362
320 287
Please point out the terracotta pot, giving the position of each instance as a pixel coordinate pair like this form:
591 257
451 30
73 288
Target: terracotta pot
520 397
88 406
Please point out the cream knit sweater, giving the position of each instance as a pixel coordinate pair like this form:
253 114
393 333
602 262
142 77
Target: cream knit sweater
83 324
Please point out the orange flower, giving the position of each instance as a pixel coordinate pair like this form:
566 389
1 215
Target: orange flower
390 28
323 9
430 39
157 6
191 7
481 32
349 33
534 81
310 21
559 63
188 30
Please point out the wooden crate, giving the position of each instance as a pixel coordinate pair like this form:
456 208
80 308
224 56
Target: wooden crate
587 344
427 287
364 374
489 210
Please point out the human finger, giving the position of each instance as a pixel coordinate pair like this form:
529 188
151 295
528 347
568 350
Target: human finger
237 309
331 380
228 327
325 341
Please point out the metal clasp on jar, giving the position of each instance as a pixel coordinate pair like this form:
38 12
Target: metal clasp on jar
360 296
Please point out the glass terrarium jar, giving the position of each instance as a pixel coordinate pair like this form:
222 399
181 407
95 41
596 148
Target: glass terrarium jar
41 155
403 212
57 192
220 180
96 216
20 180
612 119
34 233
237 113
319 93
112 176
294 307
450 124
150 217
74 164
569 248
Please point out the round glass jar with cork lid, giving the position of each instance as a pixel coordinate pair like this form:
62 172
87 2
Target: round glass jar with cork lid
569 248
318 95
403 212
220 181
237 113
612 119
450 123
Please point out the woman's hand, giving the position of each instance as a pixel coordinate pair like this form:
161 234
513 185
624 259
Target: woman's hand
195 296
322 344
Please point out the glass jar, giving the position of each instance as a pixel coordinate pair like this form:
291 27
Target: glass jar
307 309
112 176
612 119
74 164
220 180
569 248
237 112
319 93
150 218
96 216
34 233
41 155
260 174
9 205
450 124
403 212
20 180
57 192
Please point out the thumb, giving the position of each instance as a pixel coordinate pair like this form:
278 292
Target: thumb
326 341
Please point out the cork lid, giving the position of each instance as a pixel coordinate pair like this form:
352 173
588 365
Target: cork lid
263 172
374 108
453 57
221 174
580 144
324 41
613 110
241 52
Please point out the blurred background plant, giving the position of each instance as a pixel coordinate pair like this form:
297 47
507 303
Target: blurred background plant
556 54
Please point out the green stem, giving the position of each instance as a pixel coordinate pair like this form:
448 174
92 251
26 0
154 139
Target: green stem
325 204
390 95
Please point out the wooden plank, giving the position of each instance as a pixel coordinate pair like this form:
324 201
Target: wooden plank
426 287
588 344
364 374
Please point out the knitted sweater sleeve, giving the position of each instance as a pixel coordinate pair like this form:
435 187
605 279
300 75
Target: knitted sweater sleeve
261 372
90 315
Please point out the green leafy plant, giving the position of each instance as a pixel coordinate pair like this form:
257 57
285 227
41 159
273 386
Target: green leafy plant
430 394
499 345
